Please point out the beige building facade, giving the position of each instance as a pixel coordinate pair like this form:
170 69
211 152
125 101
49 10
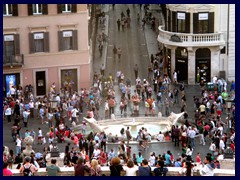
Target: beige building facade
45 44
199 41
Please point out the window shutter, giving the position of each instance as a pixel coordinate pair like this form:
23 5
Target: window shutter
187 23
195 23
31 43
169 21
17 44
45 9
59 8
15 10
174 19
75 40
30 12
46 42
74 8
60 40
211 22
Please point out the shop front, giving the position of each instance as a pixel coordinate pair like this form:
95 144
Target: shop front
203 65
181 65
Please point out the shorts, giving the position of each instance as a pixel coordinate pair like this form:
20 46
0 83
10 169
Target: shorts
136 107
39 137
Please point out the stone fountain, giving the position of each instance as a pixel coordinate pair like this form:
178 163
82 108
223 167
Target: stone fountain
29 141
113 127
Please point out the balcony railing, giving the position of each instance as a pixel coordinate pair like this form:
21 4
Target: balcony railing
189 39
14 60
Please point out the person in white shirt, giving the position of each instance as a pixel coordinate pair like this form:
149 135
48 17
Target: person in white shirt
152 159
18 145
31 106
160 137
40 135
221 146
8 113
74 114
208 167
96 153
131 169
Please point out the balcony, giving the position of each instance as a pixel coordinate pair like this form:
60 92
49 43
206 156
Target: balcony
190 40
13 61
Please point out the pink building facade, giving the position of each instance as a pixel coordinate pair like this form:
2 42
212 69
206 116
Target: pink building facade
46 43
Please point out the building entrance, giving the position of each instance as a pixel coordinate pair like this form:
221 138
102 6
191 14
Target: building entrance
40 83
181 65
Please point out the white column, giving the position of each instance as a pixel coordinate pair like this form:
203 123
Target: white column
191 66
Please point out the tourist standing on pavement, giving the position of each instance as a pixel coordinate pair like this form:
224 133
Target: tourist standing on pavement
119 53
25 117
74 115
191 135
136 71
175 77
118 24
129 136
53 169
8 113
102 70
115 50
166 103
111 103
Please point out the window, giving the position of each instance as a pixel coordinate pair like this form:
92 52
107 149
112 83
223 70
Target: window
181 16
66 8
203 22
11 47
37 9
39 42
68 40
7 9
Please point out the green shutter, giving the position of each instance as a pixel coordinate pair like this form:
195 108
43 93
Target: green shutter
59 8
174 21
31 43
75 40
211 22
45 8
15 10
60 40
17 44
74 8
46 42
195 23
30 12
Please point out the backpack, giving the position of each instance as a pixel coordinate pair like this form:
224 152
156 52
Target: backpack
27 171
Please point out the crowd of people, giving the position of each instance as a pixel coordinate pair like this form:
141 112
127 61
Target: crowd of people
87 153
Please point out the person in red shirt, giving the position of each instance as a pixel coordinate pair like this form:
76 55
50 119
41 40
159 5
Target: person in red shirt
6 171
232 146
198 158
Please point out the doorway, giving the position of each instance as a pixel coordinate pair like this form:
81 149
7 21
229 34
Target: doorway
181 66
40 83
